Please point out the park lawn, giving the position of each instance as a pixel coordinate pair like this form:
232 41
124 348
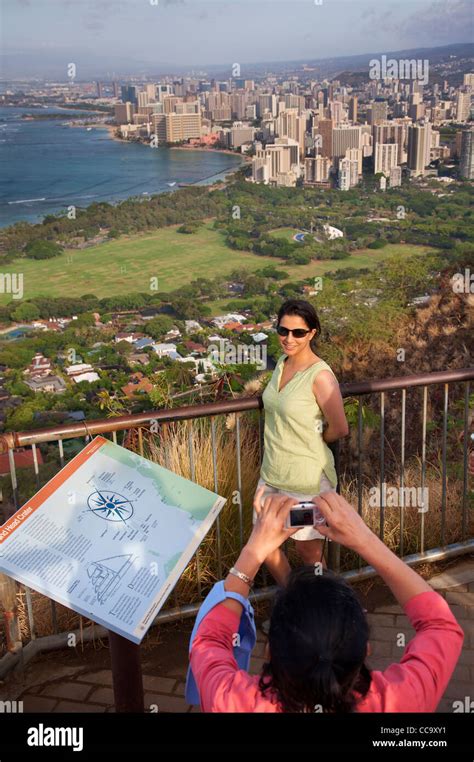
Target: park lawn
127 264
286 233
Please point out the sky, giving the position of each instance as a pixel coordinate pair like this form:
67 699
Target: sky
111 35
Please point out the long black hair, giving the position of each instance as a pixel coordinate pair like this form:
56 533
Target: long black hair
318 642
307 312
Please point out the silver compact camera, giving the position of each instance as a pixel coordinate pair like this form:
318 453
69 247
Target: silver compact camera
304 515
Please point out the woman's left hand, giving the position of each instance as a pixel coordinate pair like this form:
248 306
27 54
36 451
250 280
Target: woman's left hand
269 531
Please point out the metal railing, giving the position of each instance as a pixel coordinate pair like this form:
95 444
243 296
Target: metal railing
19 653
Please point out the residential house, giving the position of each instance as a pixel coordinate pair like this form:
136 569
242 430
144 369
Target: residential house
51 383
138 384
140 358
23 458
39 366
147 341
130 336
195 348
173 333
165 350
220 320
192 326
82 372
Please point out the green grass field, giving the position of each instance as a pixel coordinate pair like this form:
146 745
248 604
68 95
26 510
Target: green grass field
126 265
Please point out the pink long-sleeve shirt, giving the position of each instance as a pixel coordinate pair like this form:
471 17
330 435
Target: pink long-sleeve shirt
415 684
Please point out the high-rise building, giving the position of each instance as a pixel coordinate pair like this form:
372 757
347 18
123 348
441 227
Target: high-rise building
344 138
169 103
386 157
456 151
182 127
468 80
377 112
366 142
317 170
416 111
466 165
353 105
390 132
238 102
294 101
251 111
163 90
187 107
99 89
347 175
336 112
218 107
267 102
290 125
240 134
355 154
158 122
419 146
325 130
278 163
142 99
129 93
463 105
124 113
395 177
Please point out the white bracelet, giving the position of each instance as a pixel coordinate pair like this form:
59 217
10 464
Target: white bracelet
241 576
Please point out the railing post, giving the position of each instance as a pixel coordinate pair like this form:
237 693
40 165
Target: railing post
126 674
8 593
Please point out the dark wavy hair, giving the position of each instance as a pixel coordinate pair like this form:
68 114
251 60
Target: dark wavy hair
318 641
307 312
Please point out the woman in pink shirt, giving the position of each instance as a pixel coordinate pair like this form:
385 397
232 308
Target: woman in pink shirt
318 638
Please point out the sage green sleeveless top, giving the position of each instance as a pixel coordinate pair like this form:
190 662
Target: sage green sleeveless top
295 453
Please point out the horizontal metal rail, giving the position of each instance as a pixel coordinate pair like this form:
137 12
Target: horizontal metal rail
11 440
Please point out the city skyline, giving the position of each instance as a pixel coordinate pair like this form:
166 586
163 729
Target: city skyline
103 38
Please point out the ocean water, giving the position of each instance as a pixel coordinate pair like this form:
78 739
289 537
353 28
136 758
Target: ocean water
46 166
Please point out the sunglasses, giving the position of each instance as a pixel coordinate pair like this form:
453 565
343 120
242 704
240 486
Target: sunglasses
298 333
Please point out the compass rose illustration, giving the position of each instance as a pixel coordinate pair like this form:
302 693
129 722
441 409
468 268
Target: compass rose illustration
110 506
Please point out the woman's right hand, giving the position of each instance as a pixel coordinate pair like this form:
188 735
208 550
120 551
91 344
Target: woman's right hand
344 525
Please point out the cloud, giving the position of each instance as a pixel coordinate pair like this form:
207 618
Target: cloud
442 22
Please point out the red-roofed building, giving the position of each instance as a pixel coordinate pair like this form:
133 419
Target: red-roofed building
193 346
245 328
39 366
232 326
23 458
138 384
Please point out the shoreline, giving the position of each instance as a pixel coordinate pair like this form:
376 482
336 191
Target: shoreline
210 150
112 129
223 176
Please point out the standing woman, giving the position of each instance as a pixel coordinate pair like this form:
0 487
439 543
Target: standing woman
302 392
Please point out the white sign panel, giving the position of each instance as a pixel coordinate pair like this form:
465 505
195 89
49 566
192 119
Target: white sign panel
109 536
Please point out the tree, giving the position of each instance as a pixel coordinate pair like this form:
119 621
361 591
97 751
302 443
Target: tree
85 320
158 326
26 312
43 249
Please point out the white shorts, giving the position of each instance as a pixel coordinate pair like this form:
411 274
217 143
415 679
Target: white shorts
305 533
